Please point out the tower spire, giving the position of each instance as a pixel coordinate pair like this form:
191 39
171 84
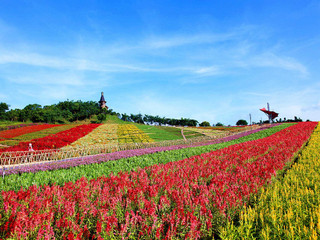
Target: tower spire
102 102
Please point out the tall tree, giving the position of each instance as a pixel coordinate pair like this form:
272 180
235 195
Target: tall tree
3 108
205 124
242 122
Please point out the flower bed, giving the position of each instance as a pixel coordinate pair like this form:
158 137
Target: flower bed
38 134
3 128
290 208
55 141
184 150
104 134
24 130
128 133
183 199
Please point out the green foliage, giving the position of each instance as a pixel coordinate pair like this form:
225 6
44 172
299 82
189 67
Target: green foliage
3 108
205 124
12 115
63 112
101 117
219 124
139 118
61 176
242 122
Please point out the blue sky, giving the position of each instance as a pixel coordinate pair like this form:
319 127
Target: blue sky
208 60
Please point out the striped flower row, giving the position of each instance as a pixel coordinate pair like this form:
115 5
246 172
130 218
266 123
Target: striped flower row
290 209
186 199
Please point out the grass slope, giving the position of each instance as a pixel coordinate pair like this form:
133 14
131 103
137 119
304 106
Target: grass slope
158 134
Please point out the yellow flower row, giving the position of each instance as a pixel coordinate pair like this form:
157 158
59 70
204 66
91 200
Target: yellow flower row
208 132
290 208
104 134
128 133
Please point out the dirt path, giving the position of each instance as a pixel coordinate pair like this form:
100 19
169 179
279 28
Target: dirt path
183 134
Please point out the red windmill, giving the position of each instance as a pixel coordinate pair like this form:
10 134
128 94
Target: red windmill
271 114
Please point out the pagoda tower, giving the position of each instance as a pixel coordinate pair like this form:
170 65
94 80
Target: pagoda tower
102 102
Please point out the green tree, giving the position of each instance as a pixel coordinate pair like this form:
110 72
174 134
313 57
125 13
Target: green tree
125 117
28 111
37 115
219 124
242 122
101 117
13 114
205 124
3 108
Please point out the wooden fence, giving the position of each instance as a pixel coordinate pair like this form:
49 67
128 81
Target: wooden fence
26 157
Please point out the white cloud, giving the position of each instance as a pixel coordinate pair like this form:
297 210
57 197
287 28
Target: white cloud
232 49
155 104
48 78
314 107
258 94
155 42
40 60
208 71
276 61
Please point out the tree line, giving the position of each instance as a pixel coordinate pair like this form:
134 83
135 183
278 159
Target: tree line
70 111
66 111
157 120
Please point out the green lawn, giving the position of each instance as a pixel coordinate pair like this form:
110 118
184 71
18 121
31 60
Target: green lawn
177 132
160 133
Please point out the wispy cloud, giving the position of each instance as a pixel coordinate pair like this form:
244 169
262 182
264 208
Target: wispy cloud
155 42
47 78
208 71
258 94
314 107
276 61
233 49
36 59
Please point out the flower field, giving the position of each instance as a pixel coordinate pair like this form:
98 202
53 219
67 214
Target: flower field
104 134
290 209
8 125
55 141
38 134
220 131
7 134
189 198
126 161
128 133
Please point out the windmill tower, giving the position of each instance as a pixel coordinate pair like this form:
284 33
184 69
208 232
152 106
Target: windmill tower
271 114
102 102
